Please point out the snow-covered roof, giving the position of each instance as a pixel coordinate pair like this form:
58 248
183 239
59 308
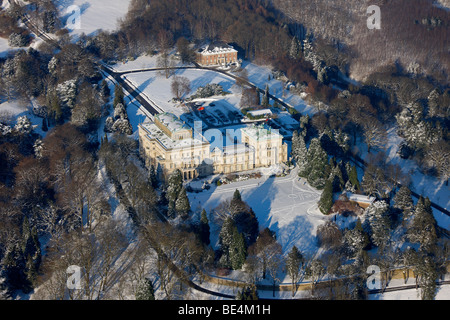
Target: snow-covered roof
261 132
217 47
236 149
262 112
153 132
172 122
360 198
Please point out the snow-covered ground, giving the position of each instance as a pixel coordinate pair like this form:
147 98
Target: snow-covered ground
158 88
286 205
94 14
423 184
5 49
259 76
428 186
15 108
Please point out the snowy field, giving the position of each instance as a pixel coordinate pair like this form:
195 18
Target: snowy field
158 88
15 108
259 76
433 188
5 49
95 14
286 205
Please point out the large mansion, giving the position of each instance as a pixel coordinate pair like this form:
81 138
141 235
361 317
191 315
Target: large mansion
216 54
169 144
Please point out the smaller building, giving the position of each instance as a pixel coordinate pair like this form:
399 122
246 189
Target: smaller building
216 54
361 200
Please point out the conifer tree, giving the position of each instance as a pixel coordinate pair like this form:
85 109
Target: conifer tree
174 185
380 222
423 228
182 205
238 250
317 167
403 201
300 153
326 199
295 49
356 239
265 100
145 291
44 125
232 245
204 228
337 178
353 178
293 265
119 96
248 293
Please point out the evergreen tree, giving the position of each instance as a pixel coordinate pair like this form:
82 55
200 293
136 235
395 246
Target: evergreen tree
182 205
379 222
31 251
104 90
44 125
248 293
145 291
404 202
5 294
295 49
232 245
174 185
427 278
299 153
337 178
356 239
225 240
293 265
119 96
326 199
237 196
204 229
14 266
238 250
317 165
153 177
265 100
423 227
353 178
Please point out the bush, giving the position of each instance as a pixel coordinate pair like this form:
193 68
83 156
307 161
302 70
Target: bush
209 90
18 40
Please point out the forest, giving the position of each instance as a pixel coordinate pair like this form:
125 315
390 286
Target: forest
56 191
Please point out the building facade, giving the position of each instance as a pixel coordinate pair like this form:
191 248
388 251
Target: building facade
168 144
217 54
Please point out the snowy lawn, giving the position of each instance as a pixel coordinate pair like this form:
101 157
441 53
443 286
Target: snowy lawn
286 205
259 76
15 108
5 49
158 88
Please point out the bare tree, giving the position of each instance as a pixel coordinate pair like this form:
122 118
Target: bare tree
275 263
112 242
181 86
374 133
438 157
329 235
